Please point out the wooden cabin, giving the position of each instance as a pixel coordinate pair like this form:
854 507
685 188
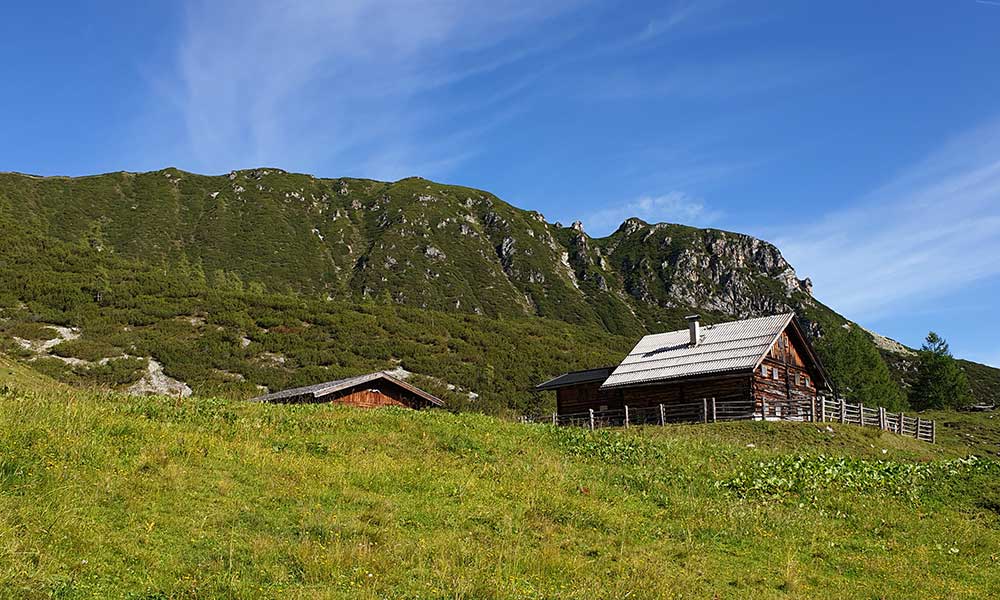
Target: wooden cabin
364 391
762 368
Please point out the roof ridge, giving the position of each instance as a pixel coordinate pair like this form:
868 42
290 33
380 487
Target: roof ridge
713 325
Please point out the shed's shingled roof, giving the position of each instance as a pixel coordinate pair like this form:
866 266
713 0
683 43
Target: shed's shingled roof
733 346
322 389
574 378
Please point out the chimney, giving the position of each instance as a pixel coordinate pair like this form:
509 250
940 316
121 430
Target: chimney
694 328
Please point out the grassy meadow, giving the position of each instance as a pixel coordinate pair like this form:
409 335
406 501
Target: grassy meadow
107 496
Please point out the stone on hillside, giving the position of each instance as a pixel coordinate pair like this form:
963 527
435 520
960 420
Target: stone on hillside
156 382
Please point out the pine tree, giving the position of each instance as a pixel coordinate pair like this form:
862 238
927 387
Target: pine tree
941 383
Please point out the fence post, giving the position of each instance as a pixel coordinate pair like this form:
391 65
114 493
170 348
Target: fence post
626 416
663 417
916 433
713 409
704 410
902 423
555 419
861 414
812 409
933 432
843 410
822 409
763 409
591 418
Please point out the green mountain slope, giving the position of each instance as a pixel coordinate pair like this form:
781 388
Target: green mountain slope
415 242
267 278
103 495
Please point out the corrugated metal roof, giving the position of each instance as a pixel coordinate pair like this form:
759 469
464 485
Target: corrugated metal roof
574 378
732 346
329 387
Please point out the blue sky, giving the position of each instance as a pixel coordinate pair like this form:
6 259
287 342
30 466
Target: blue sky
863 138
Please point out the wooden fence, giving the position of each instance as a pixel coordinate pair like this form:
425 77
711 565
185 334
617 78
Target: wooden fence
708 410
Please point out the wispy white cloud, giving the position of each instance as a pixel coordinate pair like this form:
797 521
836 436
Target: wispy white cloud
684 18
673 207
381 88
929 232
342 85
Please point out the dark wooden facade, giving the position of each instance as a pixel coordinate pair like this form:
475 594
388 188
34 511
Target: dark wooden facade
376 394
584 396
365 391
724 386
787 376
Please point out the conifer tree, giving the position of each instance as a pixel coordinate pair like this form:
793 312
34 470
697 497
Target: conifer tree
940 383
858 370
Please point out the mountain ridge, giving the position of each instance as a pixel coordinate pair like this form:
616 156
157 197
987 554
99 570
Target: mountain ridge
381 217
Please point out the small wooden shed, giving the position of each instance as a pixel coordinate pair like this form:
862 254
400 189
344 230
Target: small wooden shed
364 391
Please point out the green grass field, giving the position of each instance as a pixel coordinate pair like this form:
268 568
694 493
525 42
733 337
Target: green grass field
105 496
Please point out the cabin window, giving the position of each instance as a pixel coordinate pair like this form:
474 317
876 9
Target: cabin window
774 373
807 382
763 370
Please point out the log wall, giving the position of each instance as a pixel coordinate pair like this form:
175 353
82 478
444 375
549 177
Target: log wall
782 380
725 387
385 394
586 396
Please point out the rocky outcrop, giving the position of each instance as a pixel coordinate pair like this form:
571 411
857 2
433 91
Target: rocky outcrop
155 382
674 266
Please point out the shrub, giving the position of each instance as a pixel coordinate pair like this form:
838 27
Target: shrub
31 331
85 349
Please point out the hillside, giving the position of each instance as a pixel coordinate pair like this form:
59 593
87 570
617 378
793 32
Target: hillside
262 279
110 496
415 242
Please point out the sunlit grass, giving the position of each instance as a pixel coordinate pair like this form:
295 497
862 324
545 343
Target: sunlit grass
107 496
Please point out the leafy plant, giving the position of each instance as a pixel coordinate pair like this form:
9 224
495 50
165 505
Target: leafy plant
804 475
